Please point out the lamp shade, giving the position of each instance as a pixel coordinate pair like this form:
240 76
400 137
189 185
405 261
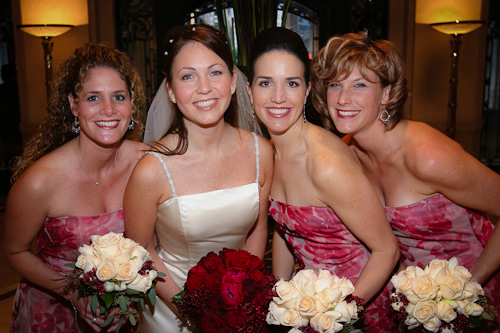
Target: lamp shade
449 16
50 18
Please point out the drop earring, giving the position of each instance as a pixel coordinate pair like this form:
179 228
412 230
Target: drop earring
131 125
304 114
384 115
75 127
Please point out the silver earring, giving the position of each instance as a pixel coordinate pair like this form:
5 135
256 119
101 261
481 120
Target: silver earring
131 125
232 91
173 100
304 114
75 127
384 115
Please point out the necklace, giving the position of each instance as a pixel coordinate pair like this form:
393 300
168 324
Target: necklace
81 167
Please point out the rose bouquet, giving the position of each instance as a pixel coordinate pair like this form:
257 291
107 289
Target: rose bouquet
114 271
442 297
227 292
319 302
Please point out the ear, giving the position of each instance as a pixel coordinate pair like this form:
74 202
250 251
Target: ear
72 105
308 90
170 92
249 91
234 81
385 94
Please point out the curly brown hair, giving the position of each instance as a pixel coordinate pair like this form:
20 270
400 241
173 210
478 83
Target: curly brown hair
336 61
55 130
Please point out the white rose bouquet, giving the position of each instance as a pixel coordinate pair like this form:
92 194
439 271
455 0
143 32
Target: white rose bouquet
441 297
312 302
114 271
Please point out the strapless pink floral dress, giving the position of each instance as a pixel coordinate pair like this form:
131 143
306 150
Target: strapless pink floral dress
321 241
438 228
39 310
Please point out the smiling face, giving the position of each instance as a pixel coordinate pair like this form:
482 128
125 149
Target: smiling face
355 102
279 90
104 106
201 85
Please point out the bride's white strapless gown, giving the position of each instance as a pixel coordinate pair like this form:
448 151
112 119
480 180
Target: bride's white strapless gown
190 226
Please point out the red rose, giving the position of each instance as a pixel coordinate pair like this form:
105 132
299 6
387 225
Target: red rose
231 294
257 263
258 278
198 269
195 282
234 274
212 263
212 323
263 298
213 282
236 318
215 303
240 260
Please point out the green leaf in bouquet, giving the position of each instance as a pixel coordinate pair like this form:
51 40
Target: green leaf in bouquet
475 321
70 265
123 303
161 274
93 303
108 299
134 299
107 321
141 302
487 316
178 297
152 296
133 292
132 319
120 323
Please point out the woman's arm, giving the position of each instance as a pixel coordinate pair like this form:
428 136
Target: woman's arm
342 185
283 260
257 239
145 190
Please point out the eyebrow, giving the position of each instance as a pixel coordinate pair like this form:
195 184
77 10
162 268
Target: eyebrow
288 78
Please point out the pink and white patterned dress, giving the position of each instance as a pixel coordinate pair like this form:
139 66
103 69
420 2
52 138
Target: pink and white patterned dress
320 240
40 310
436 227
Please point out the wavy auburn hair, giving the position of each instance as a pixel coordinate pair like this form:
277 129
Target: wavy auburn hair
72 73
336 61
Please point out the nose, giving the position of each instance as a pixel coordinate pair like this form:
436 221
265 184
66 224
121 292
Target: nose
108 107
278 95
344 97
204 86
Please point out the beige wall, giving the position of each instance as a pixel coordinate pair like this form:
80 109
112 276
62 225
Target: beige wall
427 53
31 63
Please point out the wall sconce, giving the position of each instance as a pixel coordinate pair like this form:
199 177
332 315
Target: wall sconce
454 18
51 18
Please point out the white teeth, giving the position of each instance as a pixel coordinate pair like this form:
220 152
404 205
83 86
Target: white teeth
348 113
204 104
107 123
278 111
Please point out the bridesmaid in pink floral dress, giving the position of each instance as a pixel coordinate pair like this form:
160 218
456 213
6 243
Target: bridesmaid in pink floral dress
434 192
69 185
327 214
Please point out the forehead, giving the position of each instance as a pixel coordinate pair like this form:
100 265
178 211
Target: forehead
357 71
194 53
279 61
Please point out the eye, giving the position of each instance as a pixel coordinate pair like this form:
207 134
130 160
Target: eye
333 84
293 84
92 98
216 73
360 85
120 97
264 83
186 77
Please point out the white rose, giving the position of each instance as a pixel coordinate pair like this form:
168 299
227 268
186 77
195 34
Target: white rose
125 248
127 272
142 283
294 330
274 314
471 291
326 322
106 245
139 254
432 324
462 272
327 299
452 263
435 266
411 322
87 262
109 286
450 286
303 277
107 269
348 311
323 281
287 293
445 312
404 279
120 286
424 287
292 318
469 309
344 285
424 311
306 304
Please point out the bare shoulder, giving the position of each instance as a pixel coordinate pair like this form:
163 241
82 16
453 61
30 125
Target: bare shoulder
134 149
429 153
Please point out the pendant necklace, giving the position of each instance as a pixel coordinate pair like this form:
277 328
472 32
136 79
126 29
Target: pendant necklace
81 167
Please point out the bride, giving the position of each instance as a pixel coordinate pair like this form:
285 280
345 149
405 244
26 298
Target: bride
204 183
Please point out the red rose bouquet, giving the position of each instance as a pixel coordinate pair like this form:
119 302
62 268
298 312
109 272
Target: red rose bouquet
227 292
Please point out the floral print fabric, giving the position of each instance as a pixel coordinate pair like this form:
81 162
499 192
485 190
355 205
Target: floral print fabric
438 228
39 310
320 240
